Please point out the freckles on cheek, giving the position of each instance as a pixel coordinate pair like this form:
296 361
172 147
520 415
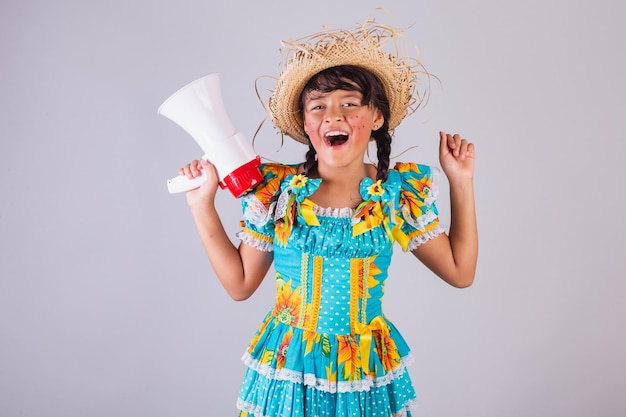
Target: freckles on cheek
357 122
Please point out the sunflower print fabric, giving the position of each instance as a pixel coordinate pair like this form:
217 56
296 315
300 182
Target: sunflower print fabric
326 349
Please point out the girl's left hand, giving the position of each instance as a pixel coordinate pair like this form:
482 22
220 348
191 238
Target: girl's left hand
456 156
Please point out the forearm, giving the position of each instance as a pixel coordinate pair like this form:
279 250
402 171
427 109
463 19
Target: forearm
463 233
223 255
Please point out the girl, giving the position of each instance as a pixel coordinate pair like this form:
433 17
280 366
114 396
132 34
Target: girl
329 225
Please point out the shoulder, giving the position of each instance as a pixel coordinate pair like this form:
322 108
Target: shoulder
275 170
273 176
407 169
414 176
417 182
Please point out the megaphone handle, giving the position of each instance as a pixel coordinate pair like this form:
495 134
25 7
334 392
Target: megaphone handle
181 183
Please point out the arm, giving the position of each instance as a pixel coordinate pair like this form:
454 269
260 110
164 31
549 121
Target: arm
240 270
453 257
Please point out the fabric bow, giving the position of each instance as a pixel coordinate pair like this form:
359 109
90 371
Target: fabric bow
366 331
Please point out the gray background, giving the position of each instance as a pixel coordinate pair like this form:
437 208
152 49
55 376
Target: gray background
108 306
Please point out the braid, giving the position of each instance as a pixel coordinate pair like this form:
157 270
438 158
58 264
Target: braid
383 146
311 160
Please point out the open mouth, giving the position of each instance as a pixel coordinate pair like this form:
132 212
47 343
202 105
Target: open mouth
336 138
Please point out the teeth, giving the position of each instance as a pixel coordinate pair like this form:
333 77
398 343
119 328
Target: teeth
336 133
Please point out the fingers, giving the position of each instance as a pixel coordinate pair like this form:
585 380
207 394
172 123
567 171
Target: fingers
208 167
460 148
443 146
192 169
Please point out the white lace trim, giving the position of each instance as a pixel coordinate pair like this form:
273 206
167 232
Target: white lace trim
255 243
281 205
422 221
411 405
421 239
333 212
249 408
434 186
255 212
283 199
324 384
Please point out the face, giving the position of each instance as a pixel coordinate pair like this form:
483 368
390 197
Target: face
339 126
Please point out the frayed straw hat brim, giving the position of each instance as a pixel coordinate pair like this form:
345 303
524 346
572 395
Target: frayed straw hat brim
363 46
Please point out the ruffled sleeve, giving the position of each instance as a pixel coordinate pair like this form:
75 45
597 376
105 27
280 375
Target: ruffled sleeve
416 206
258 206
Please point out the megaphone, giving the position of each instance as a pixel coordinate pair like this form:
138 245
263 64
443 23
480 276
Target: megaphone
198 109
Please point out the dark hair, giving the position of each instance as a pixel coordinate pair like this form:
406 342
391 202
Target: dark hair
353 78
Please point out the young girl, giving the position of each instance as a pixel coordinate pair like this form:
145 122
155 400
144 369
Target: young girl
329 225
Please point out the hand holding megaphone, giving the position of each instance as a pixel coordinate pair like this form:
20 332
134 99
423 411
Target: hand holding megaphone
199 110
198 172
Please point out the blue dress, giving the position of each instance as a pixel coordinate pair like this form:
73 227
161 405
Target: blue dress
326 348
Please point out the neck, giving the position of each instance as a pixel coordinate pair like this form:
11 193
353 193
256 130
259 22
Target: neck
345 175
340 185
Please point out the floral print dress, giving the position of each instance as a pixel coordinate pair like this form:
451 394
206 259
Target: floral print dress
326 349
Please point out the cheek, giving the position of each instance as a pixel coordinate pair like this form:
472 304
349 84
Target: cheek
310 123
311 128
357 122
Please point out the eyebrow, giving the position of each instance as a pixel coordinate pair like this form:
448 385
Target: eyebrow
317 95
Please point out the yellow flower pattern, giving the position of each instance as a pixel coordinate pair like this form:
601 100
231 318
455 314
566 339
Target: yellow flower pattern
376 188
348 357
387 351
310 338
298 181
288 302
413 203
283 349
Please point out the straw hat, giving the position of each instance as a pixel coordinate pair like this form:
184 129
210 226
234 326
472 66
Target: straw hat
363 47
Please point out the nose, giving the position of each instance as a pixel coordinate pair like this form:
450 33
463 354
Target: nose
333 115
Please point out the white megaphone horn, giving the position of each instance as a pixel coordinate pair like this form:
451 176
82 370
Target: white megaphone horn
199 110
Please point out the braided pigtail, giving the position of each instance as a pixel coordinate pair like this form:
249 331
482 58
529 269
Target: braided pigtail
383 151
310 164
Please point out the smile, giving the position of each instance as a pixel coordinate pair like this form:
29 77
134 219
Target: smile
336 138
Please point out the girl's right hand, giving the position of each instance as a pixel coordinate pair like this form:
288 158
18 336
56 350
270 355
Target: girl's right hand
206 193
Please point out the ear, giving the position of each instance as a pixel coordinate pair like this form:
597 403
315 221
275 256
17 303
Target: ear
378 119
